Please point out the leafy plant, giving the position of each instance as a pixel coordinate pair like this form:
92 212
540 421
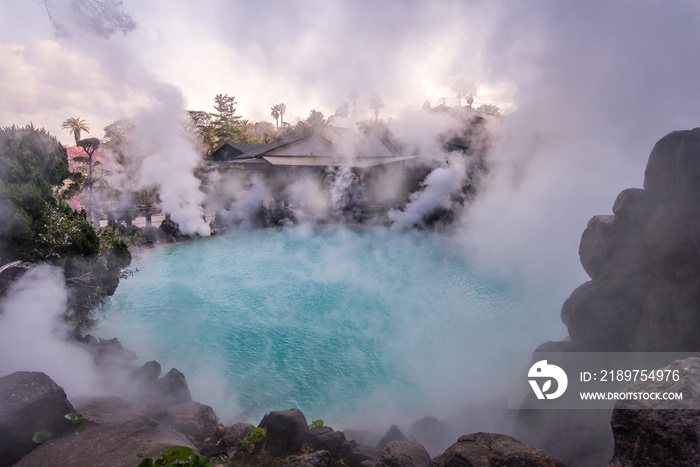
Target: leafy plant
41 436
257 436
316 423
177 456
75 418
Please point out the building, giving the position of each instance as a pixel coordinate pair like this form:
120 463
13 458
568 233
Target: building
334 147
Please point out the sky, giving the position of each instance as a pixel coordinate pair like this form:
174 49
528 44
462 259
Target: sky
587 87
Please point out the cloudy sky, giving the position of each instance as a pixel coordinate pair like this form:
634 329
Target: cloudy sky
589 86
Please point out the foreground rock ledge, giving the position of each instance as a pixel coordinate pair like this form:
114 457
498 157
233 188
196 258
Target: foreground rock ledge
489 449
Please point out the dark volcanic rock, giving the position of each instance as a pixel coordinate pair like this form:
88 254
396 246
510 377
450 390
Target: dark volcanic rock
405 454
393 434
173 388
356 453
324 438
29 402
431 433
196 421
286 429
234 434
673 169
148 373
315 459
598 244
115 436
489 449
650 437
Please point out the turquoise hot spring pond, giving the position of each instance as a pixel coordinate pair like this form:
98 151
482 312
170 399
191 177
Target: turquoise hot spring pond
339 322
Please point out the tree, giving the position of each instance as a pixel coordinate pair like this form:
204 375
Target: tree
275 113
343 110
90 145
316 121
489 109
204 128
376 103
226 123
282 107
32 163
76 125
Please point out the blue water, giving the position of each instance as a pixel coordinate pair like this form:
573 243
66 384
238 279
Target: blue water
337 322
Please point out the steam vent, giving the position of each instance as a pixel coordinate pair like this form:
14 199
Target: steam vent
644 261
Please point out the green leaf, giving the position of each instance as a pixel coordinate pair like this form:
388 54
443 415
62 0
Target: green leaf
41 436
146 462
75 418
177 453
199 461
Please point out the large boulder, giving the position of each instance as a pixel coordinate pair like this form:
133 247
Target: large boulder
489 449
29 402
116 435
286 429
405 454
649 436
325 438
355 453
673 169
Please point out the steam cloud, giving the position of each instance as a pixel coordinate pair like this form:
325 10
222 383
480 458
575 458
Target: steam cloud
33 336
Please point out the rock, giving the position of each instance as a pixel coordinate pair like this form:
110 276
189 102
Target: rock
673 169
286 429
602 316
29 402
648 436
632 208
598 244
234 434
169 230
393 434
579 437
431 433
324 438
356 453
405 454
489 449
173 388
315 459
362 436
668 232
148 373
109 353
115 436
196 421
564 345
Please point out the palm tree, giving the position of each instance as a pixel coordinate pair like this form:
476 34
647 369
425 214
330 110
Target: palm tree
76 125
376 103
282 108
276 114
